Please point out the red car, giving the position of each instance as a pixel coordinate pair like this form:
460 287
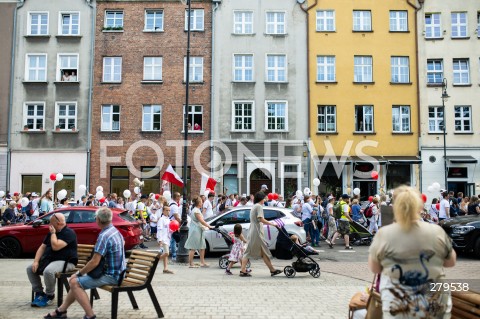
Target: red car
17 239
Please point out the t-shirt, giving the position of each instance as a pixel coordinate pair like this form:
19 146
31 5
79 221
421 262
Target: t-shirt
472 209
68 252
208 209
46 206
174 209
163 232
443 204
306 211
329 206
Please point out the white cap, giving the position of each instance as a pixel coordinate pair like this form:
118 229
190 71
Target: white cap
264 186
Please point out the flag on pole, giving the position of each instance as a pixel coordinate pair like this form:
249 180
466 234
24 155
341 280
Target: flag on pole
171 176
207 182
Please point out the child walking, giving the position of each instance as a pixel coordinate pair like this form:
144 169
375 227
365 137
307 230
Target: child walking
163 236
238 248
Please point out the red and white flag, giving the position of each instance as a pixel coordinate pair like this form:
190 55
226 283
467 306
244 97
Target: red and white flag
207 183
171 176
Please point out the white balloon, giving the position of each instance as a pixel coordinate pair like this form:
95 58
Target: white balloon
24 201
136 190
356 191
82 188
436 186
430 189
127 193
298 193
306 190
2 193
316 182
167 195
99 195
59 177
206 193
61 194
99 189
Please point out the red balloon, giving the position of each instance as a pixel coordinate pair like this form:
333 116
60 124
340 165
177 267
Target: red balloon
375 175
370 198
438 206
270 196
53 177
275 196
424 198
19 206
157 196
174 225
102 200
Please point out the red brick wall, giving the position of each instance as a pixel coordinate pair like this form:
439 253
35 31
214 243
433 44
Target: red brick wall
132 45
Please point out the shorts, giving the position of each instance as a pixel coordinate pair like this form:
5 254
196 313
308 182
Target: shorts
153 229
343 227
165 248
87 282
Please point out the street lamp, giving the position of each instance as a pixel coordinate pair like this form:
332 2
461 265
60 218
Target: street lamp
445 97
182 255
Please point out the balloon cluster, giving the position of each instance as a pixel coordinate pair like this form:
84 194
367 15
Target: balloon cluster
56 177
272 196
435 187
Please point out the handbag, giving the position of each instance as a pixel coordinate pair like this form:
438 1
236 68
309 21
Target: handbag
356 303
176 236
374 306
98 271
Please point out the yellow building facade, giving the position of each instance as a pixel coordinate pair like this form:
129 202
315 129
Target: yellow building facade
363 94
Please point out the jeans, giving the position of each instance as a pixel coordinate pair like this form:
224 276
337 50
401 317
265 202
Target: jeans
307 225
173 248
316 236
48 275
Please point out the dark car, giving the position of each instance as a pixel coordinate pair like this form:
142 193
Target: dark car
19 238
464 232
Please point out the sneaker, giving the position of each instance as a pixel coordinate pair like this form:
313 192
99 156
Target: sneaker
174 258
50 299
228 272
37 298
42 301
143 246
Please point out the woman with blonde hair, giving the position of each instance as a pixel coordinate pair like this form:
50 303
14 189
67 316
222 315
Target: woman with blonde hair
410 254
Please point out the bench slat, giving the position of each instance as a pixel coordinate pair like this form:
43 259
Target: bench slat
141 278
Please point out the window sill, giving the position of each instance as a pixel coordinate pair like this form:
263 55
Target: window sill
401 83
33 132
153 31
402 133
39 36
436 133
117 83
434 84
460 38
408 31
35 82
194 83
151 132
433 39
276 132
276 82
242 132
276 35
243 82
362 31
65 132
327 133
193 132
68 36
364 133
200 31
105 131
151 82
244 34
112 31
326 31
460 85
66 82
463 133
326 82
363 83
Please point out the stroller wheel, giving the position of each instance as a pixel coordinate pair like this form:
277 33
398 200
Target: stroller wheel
248 264
289 272
315 273
223 262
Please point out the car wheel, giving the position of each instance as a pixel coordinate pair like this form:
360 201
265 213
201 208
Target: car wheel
476 248
10 248
289 272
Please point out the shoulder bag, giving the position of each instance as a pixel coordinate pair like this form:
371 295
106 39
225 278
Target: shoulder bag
98 271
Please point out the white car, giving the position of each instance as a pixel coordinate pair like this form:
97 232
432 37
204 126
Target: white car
241 215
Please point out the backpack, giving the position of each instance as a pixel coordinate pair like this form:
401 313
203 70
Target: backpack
337 211
369 211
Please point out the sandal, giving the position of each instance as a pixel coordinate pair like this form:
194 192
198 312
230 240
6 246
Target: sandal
94 317
205 266
275 272
245 274
348 247
58 314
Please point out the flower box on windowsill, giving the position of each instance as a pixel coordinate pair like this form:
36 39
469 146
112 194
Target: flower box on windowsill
35 82
66 82
69 36
37 36
112 29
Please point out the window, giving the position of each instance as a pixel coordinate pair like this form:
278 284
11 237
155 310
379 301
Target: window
435 119
119 177
34 115
243 116
363 69
400 69
459 24
152 118
196 20
461 73
196 69
67 67
364 118
114 20
112 69
433 27
326 119
326 69
36 68
68 184
31 183
276 68
326 20
434 71
362 20
401 119
195 116
69 23
276 116
398 21
38 23
110 117
66 115
478 24
276 23
151 178
152 68
153 20
463 119
243 22
230 178
243 68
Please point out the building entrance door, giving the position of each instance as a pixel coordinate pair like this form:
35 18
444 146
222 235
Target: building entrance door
367 188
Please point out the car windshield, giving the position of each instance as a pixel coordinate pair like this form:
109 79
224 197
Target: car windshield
126 216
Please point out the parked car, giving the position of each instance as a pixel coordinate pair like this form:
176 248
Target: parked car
464 232
19 238
241 215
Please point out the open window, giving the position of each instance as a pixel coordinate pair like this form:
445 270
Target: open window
67 68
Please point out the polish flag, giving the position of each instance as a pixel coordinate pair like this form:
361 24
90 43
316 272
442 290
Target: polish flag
207 183
171 176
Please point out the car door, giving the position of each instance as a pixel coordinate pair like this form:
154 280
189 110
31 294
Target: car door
229 220
84 224
271 233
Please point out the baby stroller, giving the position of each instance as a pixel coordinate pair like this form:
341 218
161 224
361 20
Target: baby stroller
359 234
285 247
223 261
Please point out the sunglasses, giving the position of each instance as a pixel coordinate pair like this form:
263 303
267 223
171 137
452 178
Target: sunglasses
58 220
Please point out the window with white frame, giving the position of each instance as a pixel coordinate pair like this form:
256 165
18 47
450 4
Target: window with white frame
36 68
326 68
326 20
400 69
434 71
276 23
276 68
67 67
152 118
196 69
401 119
34 115
461 71
276 116
110 117
153 20
435 119
364 118
326 118
459 24
433 25
152 68
196 20
112 69
113 20
69 23
362 20
243 116
242 67
195 118
38 23
243 22
363 69
66 115
463 119
398 21
478 24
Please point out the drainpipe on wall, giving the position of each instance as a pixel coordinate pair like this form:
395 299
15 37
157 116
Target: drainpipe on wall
212 92
90 91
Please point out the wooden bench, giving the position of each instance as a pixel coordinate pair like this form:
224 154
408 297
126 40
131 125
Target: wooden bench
137 276
466 305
